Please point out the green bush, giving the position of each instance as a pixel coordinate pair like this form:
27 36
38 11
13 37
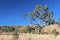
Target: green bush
27 29
55 32
8 29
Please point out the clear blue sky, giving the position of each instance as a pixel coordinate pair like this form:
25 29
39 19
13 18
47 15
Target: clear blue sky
11 10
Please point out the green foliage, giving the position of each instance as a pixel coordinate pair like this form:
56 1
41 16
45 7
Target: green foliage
55 32
45 16
41 14
27 29
8 29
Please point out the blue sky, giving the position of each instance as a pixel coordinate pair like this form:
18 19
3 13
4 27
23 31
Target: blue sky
11 10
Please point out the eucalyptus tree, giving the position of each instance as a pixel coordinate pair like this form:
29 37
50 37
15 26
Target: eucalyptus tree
41 15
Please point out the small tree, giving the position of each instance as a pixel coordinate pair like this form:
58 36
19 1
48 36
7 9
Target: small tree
41 16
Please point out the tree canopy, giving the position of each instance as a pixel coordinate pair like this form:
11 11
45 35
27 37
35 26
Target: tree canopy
42 15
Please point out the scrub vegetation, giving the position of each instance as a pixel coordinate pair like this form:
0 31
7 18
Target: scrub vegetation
41 20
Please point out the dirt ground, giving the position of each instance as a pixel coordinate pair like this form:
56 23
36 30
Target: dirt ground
30 37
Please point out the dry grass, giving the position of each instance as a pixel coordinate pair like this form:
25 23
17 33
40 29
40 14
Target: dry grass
49 29
30 37
38 37
6 37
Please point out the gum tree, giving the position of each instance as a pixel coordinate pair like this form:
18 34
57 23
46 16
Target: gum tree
41 16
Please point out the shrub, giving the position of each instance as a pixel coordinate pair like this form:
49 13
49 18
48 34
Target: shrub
8 29
44 33
28 29
15 35
55 32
